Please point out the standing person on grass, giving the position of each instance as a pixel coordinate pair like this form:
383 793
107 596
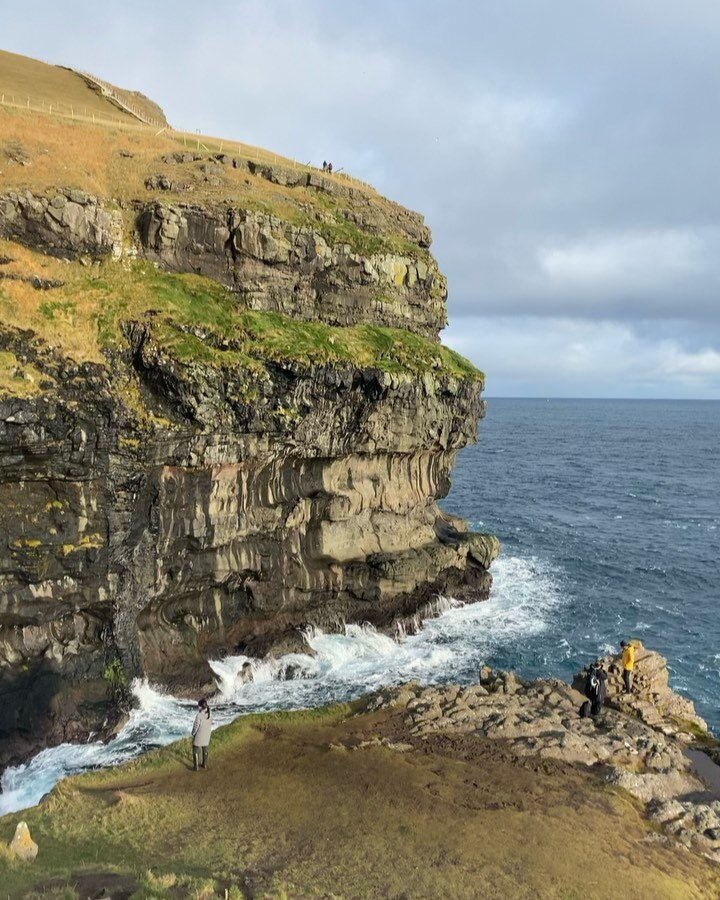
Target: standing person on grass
202 726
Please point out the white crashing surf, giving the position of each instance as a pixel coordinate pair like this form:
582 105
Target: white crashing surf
449 647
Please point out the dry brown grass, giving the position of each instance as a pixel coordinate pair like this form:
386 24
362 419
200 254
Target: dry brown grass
54 94
74 153
23 79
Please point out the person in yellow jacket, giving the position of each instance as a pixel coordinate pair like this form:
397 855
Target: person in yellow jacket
628 664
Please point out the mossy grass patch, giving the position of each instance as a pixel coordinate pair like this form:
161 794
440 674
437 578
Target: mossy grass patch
197 321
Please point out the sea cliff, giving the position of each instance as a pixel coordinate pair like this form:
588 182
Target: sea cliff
225 415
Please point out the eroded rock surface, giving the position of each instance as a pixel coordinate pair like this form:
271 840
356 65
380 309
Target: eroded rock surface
184 500
541 718
297 270
69 223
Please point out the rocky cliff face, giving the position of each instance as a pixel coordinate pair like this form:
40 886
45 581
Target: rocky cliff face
199 488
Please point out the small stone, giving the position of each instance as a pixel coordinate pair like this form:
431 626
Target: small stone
22 845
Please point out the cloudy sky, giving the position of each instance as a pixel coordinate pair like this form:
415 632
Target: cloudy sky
565 153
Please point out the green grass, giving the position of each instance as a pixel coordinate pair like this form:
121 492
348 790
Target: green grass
280 813
198 321
18 379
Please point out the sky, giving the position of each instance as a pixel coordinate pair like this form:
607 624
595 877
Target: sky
565 154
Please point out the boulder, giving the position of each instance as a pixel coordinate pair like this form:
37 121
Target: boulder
483 548
22 845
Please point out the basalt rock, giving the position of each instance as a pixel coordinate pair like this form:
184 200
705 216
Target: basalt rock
646 757
652 699
297 270
249 506
165 508
70 223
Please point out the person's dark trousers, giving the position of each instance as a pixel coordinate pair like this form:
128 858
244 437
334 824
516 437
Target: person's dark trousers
596 707
627 678
196 753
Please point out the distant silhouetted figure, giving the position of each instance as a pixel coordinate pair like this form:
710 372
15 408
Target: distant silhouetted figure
202 727
329 168
246 673
325 165
628 664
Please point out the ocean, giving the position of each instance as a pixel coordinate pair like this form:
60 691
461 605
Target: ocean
608 514
619 500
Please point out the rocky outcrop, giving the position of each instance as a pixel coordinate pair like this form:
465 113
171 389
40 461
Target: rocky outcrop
652 699
646 756
296 270
318 273
70 223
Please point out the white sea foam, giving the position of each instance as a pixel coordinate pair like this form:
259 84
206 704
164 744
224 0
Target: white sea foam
524 599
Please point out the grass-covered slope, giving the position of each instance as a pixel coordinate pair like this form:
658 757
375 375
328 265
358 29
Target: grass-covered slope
285 811
80 310
39 84
41 153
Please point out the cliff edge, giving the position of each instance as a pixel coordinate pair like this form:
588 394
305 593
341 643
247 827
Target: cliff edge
225 415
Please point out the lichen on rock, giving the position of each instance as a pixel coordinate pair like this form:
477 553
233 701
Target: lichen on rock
22 846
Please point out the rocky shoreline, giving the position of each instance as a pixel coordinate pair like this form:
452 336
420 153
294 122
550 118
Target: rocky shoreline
638 742
499 783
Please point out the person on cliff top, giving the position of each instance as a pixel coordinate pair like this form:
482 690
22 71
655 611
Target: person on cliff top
329 168
596 686
627 660
202 727
325 165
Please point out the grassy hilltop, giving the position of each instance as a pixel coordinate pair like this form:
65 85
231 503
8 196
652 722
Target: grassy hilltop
41 149
79 309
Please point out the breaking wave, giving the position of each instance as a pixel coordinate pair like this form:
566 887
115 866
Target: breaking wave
525 596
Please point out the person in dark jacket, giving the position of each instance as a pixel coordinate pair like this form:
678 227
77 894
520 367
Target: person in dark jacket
202 727
596 687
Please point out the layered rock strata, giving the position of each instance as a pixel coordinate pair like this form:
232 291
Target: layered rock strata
305 272
295 270
171 505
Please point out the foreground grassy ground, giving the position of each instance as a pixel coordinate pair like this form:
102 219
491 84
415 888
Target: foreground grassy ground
283 813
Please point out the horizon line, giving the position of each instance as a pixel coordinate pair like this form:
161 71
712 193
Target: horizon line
620 399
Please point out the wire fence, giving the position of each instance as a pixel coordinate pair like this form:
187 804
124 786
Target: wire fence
107 90
188 139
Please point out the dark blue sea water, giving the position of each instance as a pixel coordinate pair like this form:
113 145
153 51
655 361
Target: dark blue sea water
608 513
618 502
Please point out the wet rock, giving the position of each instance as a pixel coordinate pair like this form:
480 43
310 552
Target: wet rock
245 674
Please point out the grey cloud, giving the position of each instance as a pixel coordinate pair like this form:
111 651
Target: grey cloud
564 153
